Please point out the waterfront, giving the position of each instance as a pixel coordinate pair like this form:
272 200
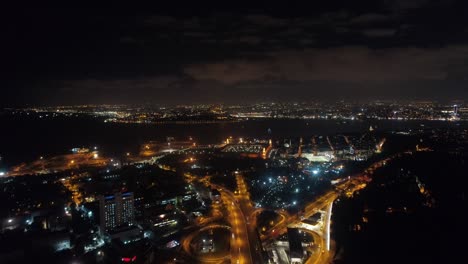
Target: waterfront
26 139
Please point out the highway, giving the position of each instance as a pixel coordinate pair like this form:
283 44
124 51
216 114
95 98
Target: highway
240 245
324 204
245 204
245 244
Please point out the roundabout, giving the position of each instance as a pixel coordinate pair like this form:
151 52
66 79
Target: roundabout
210 244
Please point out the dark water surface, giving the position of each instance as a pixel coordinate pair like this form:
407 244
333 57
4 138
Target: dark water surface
24 138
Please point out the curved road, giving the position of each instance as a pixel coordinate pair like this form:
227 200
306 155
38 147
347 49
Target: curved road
240 246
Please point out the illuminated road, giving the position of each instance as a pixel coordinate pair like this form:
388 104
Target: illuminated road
215 215
240 246
61 163
246 206
324 204
245 244
253 216
323 251
186 241
327 226
77 198
322 232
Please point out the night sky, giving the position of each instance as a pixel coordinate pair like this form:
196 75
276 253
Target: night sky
197 53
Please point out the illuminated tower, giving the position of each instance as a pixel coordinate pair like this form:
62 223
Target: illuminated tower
314 144
299 151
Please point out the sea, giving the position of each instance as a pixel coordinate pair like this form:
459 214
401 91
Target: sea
24 139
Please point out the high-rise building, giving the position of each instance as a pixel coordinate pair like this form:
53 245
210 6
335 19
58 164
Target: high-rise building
116 210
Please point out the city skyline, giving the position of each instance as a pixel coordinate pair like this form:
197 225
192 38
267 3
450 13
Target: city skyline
326 132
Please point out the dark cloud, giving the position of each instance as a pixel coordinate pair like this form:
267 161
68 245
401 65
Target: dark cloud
345 64
128 39
206 53
266 21
379 32
411 4
163 21
371 18
197 34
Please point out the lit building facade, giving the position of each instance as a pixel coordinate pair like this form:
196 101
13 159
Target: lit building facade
116 210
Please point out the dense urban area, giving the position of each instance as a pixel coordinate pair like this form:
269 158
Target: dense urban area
205 113
212 132
268 199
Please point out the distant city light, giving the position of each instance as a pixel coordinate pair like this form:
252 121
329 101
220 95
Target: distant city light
10 220
315 172
2 173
